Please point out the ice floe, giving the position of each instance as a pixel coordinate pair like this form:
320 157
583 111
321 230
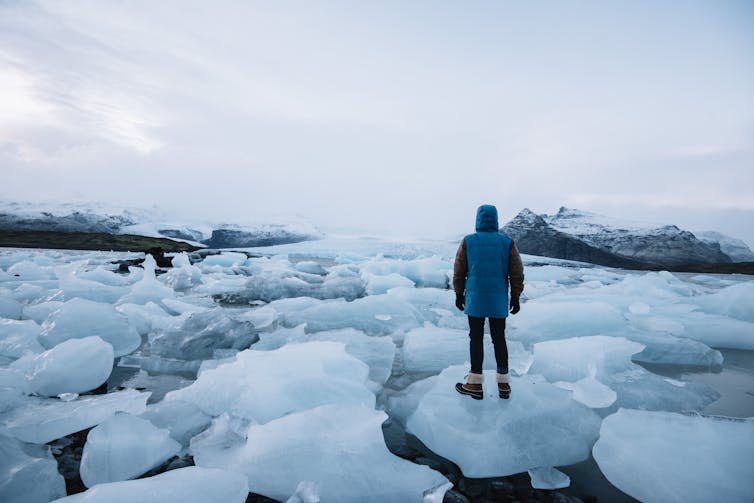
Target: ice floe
340 446
669 457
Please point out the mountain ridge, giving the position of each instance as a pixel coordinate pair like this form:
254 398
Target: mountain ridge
578 235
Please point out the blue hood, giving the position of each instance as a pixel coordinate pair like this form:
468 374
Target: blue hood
486 219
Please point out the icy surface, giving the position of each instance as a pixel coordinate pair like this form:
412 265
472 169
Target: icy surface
79 318
352 461
200 333
493 437
667 457
375 315
279 331
594 366
18 337
10 308
123 447
734 301
341 282
264 385
185 485
377 352
42 420
182 419
39 312
28 473
73 366
148 289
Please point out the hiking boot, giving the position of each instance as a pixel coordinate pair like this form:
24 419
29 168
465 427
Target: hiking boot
472 387
503 386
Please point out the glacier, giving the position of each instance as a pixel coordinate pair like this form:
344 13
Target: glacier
250 364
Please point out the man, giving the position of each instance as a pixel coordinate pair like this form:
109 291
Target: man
486 265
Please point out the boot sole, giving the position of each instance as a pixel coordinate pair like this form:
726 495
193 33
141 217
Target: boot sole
505 395
476 395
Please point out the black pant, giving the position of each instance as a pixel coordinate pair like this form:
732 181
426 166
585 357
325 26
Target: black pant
476 347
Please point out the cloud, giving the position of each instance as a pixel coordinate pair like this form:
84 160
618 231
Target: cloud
402 117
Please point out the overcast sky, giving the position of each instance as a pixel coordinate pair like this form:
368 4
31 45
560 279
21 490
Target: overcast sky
389 116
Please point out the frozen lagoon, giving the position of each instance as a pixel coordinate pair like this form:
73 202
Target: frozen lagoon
601 340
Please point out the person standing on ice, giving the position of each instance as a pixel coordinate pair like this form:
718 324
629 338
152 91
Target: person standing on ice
487 265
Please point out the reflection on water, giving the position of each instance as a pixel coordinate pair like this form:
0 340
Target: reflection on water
735 383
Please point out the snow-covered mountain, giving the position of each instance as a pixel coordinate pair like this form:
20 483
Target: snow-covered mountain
579 235
152 222
736 249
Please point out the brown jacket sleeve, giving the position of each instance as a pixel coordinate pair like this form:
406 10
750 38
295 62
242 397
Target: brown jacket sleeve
460 269
515 272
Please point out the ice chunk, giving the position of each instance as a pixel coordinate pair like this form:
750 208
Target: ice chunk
310 267
548 478
719 331
183 276
341 282
123 447
432 304
79 318
105 276
639 308
663 348
15 379
182 419
158 365
377 352
42 420
669 457
293 305
377 284
590 392
264 385
74 287
186 485
27 270
424 272
28 473
359 314
306 492
650 323
493 437
429 350
545 320
262 318
225 259
576 358
27 293
10 308
179 307
148 289
608 360
146 318
73 366
18 337
658 286
734 301
40 312
340 446
195 337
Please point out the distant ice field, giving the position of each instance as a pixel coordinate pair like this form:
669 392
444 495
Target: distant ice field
257 362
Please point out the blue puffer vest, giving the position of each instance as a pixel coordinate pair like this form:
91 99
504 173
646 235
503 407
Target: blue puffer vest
487 253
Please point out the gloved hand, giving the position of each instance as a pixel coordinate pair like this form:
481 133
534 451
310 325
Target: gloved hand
460 302
515 305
